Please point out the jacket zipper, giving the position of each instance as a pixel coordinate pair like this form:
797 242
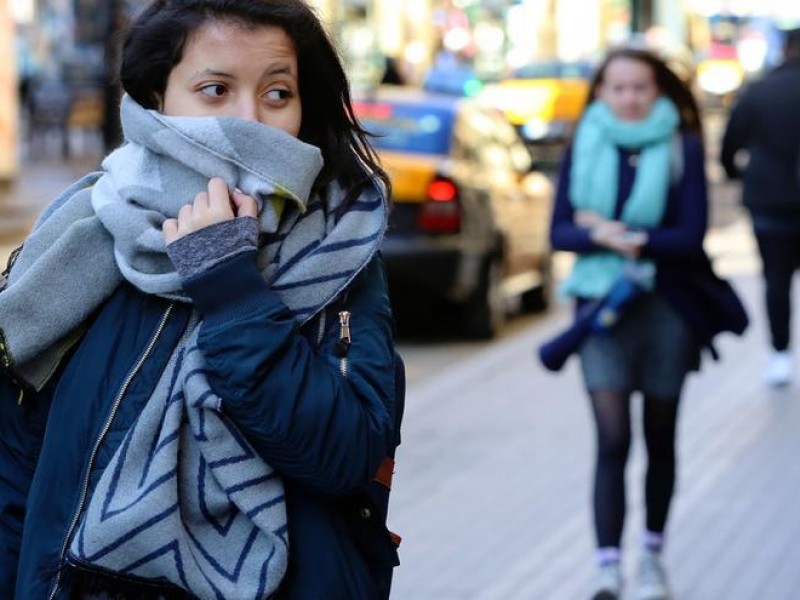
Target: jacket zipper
343 345
103 432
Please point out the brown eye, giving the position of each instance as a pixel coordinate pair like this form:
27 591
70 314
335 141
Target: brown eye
278 95
215 90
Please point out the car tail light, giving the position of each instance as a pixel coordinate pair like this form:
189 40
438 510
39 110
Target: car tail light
441 213
373 111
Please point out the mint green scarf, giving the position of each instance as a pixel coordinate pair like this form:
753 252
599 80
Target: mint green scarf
594 183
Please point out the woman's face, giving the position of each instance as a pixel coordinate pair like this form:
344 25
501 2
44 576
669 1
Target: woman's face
629 87
233 71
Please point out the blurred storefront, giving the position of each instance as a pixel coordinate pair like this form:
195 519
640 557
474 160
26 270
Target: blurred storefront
8 95
737 40
494 37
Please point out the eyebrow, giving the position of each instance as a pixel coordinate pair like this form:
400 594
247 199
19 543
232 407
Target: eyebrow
280 70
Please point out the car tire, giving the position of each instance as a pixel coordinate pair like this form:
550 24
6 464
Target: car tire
485 312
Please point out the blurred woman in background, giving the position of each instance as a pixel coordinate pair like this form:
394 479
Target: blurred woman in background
632 190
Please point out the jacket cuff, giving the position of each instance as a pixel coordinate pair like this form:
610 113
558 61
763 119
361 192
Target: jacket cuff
205 248
232 289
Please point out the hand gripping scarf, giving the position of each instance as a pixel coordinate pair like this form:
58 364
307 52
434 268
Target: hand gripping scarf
185 499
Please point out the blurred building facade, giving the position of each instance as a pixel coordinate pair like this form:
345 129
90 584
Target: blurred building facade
499 36
494 35
8 96
71 39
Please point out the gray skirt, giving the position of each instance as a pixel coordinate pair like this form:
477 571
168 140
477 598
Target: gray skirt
650 350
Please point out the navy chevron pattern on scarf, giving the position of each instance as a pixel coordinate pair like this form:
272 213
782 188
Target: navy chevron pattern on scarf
195 507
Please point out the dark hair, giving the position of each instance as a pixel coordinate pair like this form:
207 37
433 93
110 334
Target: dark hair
154 42
672 86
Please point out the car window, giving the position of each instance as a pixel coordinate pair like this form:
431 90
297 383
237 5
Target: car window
488 137
555 70
414 128
494 148
518 154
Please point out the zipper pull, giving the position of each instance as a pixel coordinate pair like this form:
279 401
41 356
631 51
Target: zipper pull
343 345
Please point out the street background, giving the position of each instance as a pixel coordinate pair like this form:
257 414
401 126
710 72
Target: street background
492 488
493 478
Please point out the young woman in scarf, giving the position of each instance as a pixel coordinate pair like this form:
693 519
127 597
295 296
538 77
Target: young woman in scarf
198 376
632 192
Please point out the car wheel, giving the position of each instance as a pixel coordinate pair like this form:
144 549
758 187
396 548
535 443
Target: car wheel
485 312
538 298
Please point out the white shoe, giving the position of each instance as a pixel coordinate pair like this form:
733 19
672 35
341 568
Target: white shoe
608 582
652 582
778 371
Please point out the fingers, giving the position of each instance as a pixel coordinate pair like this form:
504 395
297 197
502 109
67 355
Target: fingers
219 200
628 243
245 205
170 230
208 208
615 236
603 233
587 218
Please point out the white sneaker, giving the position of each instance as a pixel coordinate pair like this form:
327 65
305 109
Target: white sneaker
778 371
652 582
608 582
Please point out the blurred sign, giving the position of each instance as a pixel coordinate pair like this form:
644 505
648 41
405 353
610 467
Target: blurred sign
8 96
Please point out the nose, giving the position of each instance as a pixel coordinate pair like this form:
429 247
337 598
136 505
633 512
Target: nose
247 109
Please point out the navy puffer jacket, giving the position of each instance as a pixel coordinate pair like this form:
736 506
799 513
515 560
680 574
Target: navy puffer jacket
323 422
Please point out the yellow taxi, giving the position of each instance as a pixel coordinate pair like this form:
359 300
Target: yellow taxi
544 101
470 218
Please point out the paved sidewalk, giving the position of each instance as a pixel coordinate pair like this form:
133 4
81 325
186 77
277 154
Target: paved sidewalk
492 488
40 181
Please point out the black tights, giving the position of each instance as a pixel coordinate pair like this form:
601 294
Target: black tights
612 417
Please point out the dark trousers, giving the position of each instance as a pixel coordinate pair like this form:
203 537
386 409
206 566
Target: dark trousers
780 256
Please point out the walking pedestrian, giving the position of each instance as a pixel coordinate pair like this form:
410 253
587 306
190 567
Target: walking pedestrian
632 192
765 123
198 380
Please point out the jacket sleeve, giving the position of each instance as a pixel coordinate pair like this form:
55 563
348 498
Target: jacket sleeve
317 420
736 136
564 233
21 431
683 234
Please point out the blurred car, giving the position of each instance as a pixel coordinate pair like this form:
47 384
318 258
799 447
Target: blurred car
470 218
544 101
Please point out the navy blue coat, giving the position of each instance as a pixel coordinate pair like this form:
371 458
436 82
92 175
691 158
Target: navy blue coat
765 121
324 423
684 274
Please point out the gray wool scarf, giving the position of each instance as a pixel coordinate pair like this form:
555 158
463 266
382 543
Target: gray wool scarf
107 227
185 499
